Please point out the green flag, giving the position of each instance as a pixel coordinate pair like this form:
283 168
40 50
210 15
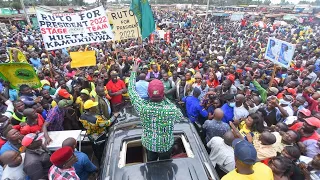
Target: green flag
143 12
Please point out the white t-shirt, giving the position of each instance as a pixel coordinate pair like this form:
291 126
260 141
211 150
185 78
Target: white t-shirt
289 110
218 74
240 112
14 173
221 153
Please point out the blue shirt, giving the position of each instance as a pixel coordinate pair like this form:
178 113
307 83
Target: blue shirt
84 167
44 114
142 88
215 128
194 109
228 113
36 63
317 64
13 94
8 147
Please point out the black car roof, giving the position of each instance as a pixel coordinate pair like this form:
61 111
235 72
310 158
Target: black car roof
176 169
182 168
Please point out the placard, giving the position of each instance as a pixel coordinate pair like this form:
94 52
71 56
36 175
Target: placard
71 29
83 59
18 74
125 24
280 52
4 28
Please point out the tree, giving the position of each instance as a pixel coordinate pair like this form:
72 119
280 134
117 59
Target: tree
267 2
304 2
16 5
284 2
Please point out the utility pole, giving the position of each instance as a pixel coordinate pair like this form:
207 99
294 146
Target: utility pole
25 13
208 2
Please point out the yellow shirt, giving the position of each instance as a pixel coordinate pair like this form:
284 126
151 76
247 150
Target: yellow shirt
261 172
191 81
80 103
97 128
243 128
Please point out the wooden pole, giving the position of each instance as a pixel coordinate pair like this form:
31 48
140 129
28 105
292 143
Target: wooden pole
273 74
51 74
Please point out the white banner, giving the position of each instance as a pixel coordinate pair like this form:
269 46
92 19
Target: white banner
280 52
71 29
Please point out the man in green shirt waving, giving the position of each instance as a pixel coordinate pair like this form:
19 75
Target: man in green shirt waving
157 115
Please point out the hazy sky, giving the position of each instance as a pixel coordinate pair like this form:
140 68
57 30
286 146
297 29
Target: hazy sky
278 1
272 1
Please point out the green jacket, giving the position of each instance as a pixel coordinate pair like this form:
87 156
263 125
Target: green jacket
157 119
263 93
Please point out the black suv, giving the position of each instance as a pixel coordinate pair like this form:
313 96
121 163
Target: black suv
124 157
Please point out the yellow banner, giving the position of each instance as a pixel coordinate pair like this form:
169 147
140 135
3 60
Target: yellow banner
83 59
125 24
15 53
18 74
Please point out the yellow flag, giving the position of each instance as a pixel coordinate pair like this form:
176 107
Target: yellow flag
83 59
20 56
18 74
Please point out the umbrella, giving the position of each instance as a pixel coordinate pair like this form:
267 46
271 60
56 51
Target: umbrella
260 24
280 23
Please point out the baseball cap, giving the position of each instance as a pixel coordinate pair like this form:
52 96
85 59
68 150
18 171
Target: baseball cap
84 91
305 111
64 103
241 87
61 156
64 93
313 121
89 104
145 67
44 82
29 138
244 151
291 91
156 90
274 90
197 90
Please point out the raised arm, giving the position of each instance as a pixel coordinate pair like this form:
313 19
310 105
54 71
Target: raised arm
136 100
261 91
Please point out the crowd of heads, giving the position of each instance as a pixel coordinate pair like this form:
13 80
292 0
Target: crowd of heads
219 62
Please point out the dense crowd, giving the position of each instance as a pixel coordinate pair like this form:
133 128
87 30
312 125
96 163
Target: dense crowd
213 72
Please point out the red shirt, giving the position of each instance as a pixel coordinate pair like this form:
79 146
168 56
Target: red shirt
313 104
115 87
24 130
213 84
298 125
298 69
314 136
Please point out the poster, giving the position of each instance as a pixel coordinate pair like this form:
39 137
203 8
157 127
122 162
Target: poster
18 74
280 52
125 24
71 29
4 28
161 34
83 59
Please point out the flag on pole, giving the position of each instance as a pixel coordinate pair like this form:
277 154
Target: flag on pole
16 54
143 12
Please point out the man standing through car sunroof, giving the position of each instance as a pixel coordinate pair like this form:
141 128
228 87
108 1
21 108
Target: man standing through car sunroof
157 115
